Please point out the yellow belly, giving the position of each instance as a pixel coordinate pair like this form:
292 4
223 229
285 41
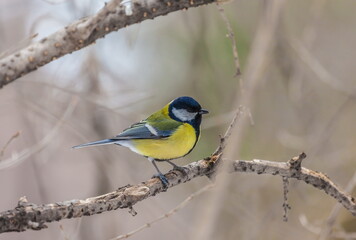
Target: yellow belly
175 146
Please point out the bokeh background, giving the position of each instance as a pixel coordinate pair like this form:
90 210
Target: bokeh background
304 99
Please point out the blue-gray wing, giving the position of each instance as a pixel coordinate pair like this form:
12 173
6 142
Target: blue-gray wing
142 130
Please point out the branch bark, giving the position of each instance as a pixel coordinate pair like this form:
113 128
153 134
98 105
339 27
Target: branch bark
31 216
112 17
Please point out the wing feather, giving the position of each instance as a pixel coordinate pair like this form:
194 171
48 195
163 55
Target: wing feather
143 130
157 126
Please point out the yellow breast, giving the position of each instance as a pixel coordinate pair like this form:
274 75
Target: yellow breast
175 146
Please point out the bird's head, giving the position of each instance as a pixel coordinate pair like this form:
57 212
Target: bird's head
186 109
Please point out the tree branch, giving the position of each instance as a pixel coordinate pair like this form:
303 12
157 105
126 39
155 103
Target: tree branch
293 169
112 17
31 216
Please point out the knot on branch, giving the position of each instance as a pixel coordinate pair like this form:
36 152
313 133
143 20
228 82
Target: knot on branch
296 162
213 163
26 218
23 202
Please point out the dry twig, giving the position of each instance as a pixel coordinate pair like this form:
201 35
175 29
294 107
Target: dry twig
286 206
31 216
231 35
223 140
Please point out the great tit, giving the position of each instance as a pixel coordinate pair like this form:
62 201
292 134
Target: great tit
167 134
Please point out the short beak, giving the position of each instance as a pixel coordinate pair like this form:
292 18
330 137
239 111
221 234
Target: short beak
203 111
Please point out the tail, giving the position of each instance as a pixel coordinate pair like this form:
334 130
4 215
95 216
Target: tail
97 143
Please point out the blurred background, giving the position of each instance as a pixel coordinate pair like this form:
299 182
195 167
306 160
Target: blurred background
304 99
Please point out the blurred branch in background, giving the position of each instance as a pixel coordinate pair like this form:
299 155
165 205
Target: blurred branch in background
38 146
112 17
8 143
312 63
319 231
308 38
166 215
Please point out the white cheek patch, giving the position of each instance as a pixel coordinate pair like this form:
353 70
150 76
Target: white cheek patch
151 129
183 114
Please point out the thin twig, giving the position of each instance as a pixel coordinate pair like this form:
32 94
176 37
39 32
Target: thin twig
239 113
8 143
286 206
217 155
231 36
166 215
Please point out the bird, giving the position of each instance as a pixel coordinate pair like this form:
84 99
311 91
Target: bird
169 133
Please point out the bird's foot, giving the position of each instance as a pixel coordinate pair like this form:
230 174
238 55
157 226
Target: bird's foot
178 168
163 179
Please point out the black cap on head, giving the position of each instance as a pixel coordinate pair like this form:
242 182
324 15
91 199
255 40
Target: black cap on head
187 103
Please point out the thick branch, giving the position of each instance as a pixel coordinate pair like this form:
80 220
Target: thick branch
31 216
111 17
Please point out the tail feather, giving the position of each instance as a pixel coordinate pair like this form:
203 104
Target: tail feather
96 143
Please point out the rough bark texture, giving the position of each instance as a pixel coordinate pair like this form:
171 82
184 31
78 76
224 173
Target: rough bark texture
31 216
86 31
293 169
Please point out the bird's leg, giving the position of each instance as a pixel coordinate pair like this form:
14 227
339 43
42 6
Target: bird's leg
161 177
176 167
